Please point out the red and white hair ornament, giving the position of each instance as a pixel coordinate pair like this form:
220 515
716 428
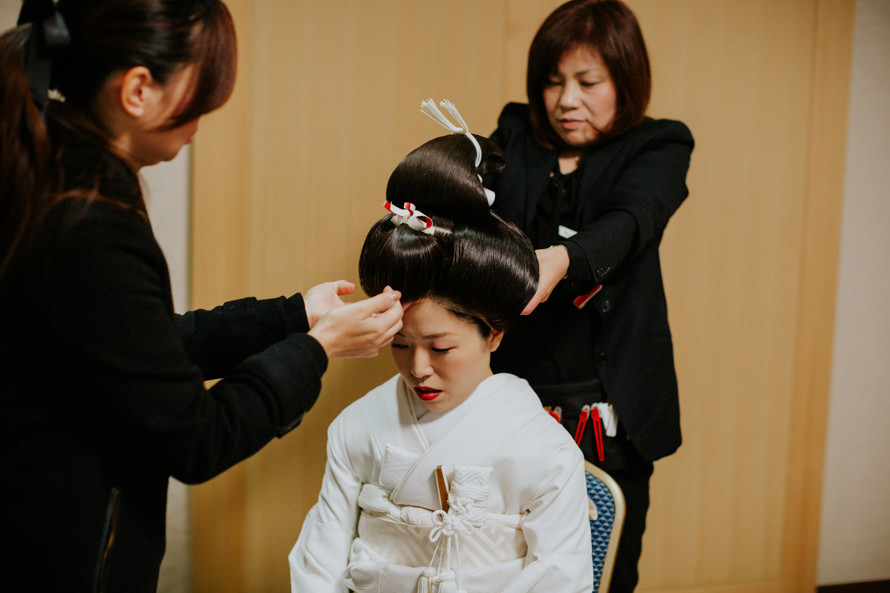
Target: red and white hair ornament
429 107
411 216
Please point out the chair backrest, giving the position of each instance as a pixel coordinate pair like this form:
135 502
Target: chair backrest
606 523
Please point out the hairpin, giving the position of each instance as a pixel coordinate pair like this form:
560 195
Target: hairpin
429 107
409 215
49 35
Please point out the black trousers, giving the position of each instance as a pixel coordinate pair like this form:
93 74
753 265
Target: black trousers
634 483
621 460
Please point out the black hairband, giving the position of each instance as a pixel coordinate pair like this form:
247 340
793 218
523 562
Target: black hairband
48 34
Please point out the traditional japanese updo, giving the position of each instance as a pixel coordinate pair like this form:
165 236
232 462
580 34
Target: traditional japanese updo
444 243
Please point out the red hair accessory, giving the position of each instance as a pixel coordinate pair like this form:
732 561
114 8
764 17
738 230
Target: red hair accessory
409 215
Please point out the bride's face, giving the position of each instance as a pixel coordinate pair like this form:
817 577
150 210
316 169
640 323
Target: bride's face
441 356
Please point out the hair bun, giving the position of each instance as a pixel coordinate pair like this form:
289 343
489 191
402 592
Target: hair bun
440 177
442 241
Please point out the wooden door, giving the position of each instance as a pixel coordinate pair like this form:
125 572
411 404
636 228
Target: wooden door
291 173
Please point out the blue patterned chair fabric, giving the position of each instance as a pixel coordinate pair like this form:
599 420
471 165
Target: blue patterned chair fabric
605 529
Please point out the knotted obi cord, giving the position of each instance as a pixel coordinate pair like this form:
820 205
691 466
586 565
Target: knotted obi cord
375 500
464 515
48 34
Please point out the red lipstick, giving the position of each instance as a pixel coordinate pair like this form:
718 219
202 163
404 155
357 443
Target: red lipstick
426 394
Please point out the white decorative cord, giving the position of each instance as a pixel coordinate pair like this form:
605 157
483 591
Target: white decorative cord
467 511
429 107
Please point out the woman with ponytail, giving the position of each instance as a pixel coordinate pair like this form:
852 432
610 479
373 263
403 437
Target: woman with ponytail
102 386
447 478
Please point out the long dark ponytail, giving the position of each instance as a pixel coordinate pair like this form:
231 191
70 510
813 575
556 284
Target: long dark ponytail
106 36
24 150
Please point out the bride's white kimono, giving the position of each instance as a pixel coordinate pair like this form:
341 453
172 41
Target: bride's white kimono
518 514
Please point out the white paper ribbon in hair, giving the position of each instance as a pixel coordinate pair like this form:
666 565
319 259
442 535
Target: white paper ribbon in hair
429 107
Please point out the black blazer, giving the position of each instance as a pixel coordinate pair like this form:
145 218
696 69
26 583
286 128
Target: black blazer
627 190
102 394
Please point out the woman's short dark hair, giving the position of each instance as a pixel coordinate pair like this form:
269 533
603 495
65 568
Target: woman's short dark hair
474 263
609 29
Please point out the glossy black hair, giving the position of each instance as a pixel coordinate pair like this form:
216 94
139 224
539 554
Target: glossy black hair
475 263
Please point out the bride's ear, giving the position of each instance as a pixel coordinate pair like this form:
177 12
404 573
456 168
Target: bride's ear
494 340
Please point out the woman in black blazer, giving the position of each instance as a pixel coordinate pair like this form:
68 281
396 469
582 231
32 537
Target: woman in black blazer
102 392
593 182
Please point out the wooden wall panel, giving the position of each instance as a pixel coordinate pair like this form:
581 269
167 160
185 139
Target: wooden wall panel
291 173
732 258
827 137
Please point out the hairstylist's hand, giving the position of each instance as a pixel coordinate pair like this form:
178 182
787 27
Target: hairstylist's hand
359 330
553 264
320 299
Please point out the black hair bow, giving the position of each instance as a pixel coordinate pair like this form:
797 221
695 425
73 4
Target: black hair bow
48 34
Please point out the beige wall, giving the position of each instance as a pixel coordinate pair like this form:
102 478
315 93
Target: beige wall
9 11
855 532
167 187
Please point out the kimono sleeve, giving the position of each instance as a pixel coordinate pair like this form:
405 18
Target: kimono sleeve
319 558
557 531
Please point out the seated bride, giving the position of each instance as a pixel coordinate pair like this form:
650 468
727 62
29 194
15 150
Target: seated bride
447 478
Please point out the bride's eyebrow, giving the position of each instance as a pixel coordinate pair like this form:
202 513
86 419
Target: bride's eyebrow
439 335
429 336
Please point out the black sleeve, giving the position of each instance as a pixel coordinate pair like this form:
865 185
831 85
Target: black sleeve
648 190
218 339
121 351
